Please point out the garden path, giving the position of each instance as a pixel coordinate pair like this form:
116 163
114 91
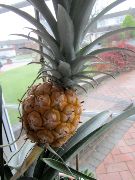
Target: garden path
113 156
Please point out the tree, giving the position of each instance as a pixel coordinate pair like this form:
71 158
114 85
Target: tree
129 21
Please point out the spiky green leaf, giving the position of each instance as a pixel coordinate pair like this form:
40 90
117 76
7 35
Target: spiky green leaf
52 61
50 41
35 40
87 48
104 11
98 133
80 13
59 166
41 6
102 50
66 33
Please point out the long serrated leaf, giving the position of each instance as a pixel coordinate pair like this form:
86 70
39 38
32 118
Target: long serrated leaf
87 128
27 17
59 166
53 62
79 87
79 61
64 3
92 137
84 82
104 11
35 40
104 50
87 48
66 33
28 162
81 76
97 72
80 13
41 6
50 41
59 157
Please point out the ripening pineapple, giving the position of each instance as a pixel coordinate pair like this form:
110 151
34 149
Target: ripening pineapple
51 110
51 113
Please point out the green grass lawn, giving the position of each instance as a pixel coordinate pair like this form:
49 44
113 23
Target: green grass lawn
14 83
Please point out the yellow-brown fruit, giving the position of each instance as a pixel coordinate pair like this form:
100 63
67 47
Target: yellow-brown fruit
50 114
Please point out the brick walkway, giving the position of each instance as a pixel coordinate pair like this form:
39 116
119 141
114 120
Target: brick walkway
120 162
113 94
113 156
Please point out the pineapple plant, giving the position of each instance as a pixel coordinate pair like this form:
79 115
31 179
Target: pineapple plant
51 110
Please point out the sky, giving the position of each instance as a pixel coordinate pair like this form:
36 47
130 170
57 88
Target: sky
12 23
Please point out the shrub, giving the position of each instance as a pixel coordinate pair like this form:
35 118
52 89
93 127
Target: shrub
123 60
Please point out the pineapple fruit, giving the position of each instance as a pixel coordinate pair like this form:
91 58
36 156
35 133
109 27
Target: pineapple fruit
50 114
51 110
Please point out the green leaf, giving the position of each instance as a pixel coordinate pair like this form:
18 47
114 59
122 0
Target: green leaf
97 133
27 17
95 72
80 61
81 76
50 41
64 68
53 62
66 33
41 6
64 3
87 48
35 40
104 11
84 82
59 166
86 129
80 13
102 50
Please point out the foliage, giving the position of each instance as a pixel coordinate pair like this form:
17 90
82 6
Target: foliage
129 21
123 61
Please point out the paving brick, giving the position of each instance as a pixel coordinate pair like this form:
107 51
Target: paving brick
93 161
131 166
127 136
115 150
132 129
112 139
126 149
126 175
123 157
132 134
116 167
121 143
117 135
107 144
102 149
98 155
109 176
101 169
109 159
130 141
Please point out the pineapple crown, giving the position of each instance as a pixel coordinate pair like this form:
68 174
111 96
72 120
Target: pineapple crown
65 59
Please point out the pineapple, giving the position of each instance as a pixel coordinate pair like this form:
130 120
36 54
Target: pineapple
51 113
51 110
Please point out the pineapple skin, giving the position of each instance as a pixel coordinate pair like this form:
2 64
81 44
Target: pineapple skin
50 114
